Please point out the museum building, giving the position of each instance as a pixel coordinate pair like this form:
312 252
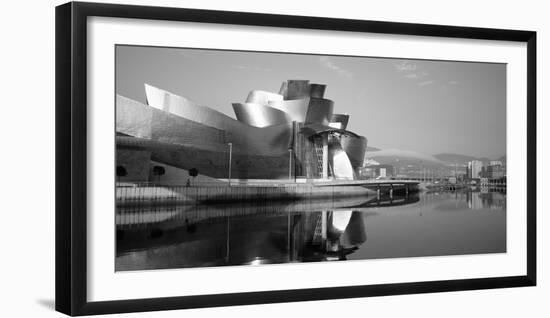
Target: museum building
294 134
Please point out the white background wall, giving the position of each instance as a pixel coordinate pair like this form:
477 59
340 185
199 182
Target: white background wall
27 143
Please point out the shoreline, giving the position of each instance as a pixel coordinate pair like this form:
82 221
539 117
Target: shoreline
160 195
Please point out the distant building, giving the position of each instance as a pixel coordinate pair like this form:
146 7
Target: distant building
370 162
496 171
377 171
495 163
475 167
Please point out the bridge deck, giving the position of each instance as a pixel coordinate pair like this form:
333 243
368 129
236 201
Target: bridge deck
366 183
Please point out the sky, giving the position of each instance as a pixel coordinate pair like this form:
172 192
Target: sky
420 105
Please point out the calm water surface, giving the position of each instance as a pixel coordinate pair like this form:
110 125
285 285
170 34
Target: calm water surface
424 224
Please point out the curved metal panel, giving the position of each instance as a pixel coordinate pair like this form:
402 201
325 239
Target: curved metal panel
317 90
272 140
133 118
297 89
262 97
341 119
295 109
164 100
283 89
319 111
139 120
355 148
341 165
316 129
258 115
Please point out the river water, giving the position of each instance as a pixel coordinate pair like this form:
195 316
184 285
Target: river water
421 224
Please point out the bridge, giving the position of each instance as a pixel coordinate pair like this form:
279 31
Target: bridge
368 183
380 186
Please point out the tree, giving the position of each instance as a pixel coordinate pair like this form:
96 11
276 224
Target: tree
158 171
121 172
193 172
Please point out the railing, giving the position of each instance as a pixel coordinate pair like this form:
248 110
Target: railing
155 194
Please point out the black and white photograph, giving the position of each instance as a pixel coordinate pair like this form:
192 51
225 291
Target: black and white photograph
247 158
275 159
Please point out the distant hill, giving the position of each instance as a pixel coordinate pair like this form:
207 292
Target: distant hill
398 157
452 158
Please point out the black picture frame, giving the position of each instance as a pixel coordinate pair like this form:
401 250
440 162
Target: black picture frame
71 157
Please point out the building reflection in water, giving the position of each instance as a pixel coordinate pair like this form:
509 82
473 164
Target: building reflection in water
215 235
485 199
310 231
475 198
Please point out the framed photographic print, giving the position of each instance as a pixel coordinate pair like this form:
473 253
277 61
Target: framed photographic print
210 158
